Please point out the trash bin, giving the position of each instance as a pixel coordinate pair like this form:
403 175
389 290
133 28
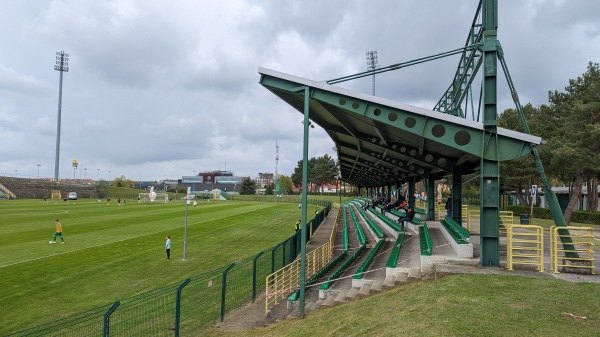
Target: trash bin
524 219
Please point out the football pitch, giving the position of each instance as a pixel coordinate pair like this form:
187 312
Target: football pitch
113 252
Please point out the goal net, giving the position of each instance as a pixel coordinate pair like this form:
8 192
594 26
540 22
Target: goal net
159 197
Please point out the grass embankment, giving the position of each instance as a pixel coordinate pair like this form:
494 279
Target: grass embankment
459 305
113 252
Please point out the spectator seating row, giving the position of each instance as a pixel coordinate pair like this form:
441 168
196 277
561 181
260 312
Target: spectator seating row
367 262
425 240
393 259
457 231
388 221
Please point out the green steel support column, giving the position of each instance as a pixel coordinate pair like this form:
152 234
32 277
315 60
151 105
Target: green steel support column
457 194
411 192
490 168
304 190
430 198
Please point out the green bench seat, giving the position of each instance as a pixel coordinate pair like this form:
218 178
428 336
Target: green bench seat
390 222
459 233
367 262
426 244
393 259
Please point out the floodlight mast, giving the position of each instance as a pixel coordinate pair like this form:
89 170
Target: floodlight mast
372 64
61 65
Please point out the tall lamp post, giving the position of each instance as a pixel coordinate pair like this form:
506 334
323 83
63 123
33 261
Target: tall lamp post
38 165
187 203
372 64
85 175
61 65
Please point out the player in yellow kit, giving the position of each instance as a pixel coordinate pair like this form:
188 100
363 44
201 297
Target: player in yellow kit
58 231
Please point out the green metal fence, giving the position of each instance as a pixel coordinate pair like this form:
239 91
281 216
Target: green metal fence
181 309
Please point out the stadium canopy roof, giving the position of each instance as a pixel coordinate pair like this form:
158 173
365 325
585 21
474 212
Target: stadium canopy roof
381 142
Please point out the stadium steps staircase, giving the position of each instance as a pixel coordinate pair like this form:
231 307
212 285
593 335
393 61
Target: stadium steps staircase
7 192
409 268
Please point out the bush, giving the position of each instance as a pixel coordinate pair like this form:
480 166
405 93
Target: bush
544 213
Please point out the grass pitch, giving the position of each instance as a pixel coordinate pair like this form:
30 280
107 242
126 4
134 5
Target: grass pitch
113 252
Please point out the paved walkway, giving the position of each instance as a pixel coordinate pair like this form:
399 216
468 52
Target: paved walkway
323 233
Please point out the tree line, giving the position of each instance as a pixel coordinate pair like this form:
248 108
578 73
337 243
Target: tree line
570 123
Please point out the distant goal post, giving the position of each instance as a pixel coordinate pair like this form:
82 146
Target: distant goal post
160 197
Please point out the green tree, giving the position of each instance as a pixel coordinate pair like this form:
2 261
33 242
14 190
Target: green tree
248 186
269 189
520 173
122 182
286 185
325 170
572 126
321 170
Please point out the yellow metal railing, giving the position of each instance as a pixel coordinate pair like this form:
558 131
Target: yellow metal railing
474 221
583 245
506 219
438 211
287 279
334 231
464 215
525 245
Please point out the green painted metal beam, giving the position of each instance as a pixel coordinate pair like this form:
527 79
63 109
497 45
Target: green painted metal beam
490 166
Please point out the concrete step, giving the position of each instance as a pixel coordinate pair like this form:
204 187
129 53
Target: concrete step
352 293
329 301
316 306
427 272
402 277
389 281
296 312
377 285
414 273
341 297
364 290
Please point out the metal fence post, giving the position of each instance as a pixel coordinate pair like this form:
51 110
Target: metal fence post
254 275
224 290
178 306
105 332
283 253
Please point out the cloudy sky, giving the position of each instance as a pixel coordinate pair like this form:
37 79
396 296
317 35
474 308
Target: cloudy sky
162 88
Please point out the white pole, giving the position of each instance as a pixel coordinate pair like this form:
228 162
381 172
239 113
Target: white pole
187 201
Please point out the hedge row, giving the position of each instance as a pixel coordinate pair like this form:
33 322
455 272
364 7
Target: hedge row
544 213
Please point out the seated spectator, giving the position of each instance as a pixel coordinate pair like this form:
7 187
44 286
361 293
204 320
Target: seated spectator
392 205
410 214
